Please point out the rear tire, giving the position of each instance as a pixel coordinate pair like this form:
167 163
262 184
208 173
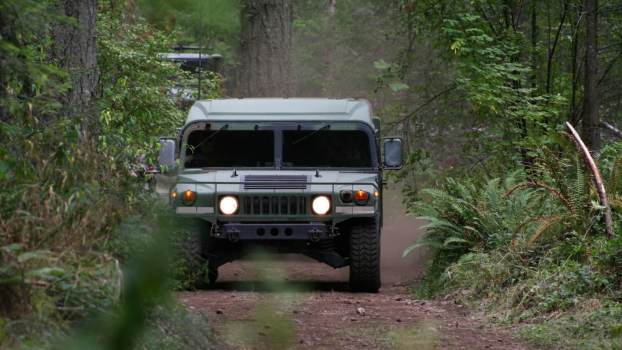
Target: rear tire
365 258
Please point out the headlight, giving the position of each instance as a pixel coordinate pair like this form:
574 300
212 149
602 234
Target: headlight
321 205
228 205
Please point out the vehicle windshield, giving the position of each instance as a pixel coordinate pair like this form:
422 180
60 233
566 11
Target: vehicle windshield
325 148
230 149
243 145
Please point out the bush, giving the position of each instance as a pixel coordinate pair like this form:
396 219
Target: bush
531 247
67 201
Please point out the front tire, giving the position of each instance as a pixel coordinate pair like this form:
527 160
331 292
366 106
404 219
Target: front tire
194 242
365 258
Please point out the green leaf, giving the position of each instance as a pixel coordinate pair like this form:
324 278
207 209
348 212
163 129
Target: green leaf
397 87
10 248
411 248
456 240
381 64
37 254
47 273
4 168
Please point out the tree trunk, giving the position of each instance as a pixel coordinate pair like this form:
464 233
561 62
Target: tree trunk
266 43
534 45
591 130
74 50
329 52
574 114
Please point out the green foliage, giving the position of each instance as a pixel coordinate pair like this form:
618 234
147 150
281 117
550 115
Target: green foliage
593 325
211 18
137 104
213 24
497 83
64 196
29 82
464 215
530 246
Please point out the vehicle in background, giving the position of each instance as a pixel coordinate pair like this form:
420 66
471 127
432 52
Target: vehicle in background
198 64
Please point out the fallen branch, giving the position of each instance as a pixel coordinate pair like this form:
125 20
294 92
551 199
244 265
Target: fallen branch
598 179
611 128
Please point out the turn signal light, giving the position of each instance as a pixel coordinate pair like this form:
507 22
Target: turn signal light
189 197
361 197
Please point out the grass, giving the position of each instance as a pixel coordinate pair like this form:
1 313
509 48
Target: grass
530 251
421 336
593 325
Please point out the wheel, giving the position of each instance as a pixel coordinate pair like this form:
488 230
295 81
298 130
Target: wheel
212 274
192 244
205 277
365 258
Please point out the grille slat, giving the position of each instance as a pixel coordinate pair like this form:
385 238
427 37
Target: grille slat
274 205
281 182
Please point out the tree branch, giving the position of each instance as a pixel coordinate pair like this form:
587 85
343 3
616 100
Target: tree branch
425 104
549 63
598 179
609 67
611 128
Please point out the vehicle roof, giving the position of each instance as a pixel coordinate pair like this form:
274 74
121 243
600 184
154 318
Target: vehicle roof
282 109
189 56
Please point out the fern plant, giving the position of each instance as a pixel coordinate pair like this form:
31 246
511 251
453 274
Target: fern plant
463 215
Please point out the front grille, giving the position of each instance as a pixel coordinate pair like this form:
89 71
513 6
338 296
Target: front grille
263 182
274 205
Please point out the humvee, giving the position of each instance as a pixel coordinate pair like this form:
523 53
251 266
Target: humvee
292 175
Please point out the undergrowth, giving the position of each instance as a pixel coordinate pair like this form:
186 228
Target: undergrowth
530 248
75 222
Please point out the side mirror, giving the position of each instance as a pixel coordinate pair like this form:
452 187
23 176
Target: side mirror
392 147
166 159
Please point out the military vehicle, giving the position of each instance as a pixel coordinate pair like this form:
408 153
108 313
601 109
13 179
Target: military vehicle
198 64
290 175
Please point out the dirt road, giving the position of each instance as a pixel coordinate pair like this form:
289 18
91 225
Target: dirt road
297 303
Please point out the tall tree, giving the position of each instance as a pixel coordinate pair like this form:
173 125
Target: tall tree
591 131
266 43
75 51
329 52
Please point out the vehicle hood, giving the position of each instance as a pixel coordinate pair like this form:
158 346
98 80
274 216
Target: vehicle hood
227 176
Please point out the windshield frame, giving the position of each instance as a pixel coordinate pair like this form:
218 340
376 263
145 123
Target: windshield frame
278 127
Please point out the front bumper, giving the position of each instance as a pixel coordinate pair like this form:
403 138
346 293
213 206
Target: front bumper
274 231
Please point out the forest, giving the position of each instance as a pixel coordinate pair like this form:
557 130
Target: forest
519 226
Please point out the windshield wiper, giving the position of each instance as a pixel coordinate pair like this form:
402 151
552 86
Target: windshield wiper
192 148
325 127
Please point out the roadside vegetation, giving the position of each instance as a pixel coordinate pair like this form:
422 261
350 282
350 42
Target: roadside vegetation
73 210
515 224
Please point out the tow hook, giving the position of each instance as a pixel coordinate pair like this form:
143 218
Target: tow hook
233 235
215 232
334 232
315 234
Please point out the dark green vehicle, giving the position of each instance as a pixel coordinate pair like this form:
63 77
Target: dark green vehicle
290 175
